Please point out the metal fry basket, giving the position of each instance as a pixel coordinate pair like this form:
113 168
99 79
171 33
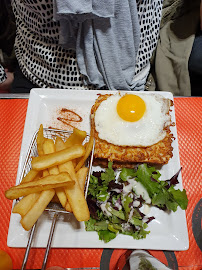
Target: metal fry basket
55 208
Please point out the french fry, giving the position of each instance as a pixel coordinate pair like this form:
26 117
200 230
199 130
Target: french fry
43 200
82 172
45 183
81 176
32 174
87 153
61 196
78 202
53 173
46 161
45 172
68 207
40 140
77 137
74 194
25 204
59 145
35 212
49 147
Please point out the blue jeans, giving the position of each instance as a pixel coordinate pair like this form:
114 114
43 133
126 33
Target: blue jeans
195 59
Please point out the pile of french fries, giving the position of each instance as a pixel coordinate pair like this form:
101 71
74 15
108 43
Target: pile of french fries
58 173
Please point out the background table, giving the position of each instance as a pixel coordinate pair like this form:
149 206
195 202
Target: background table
189 127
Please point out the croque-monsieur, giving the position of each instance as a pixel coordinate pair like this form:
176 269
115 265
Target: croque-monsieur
132 128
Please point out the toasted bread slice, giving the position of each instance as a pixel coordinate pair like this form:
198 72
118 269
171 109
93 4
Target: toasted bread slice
127 156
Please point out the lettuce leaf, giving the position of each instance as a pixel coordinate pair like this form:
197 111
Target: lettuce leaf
180 197
108 175
90 224
127 173
126 201
144 174
106 235
159 194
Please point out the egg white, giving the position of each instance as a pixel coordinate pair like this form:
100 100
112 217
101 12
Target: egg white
150 129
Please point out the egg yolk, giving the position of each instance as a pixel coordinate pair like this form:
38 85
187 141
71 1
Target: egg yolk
131 108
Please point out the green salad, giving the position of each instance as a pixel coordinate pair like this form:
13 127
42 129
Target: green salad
116 198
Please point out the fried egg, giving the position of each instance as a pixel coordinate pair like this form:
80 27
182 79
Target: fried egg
133 119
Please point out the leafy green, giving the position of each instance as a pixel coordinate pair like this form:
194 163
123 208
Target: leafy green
127 173
180 197
93 186
108 175
90 224
115 198
115 220
102 194
137 234
144 174
136 213
113 228
135 221
118 213
114 210
145 264
102 225
126 205
106 235
97 191
100 215
141 233
159 194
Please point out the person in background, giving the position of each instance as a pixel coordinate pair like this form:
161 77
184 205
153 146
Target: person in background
7 55
122 50
175 55
195 59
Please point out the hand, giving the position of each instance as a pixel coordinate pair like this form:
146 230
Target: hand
6 85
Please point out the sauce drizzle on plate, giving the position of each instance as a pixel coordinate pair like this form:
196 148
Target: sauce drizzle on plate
69 117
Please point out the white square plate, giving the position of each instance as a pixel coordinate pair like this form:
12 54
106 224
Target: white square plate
168 231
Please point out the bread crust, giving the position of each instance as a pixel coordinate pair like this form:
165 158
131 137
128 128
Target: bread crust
126 156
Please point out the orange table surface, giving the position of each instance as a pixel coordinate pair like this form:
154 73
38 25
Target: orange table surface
189 128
